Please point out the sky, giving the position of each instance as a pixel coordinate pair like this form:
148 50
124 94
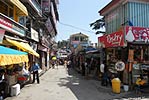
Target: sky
75 17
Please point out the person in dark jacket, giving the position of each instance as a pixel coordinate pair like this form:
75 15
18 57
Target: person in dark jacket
35 69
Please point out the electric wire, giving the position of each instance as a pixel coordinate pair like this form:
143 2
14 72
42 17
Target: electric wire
75 27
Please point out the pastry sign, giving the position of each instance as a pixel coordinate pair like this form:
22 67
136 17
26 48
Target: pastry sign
115 39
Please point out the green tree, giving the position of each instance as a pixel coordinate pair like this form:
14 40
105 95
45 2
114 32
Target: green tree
98 24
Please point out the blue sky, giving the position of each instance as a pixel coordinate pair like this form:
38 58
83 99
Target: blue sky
76 15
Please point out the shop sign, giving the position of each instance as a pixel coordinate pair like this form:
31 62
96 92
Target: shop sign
75 42
46 5
11 26
42 48
2 32
49 25
115 39
34 35
137 34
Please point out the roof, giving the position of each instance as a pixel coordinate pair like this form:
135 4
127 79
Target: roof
109 6
79 34
115 3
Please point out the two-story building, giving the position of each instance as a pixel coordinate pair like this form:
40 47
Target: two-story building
126 40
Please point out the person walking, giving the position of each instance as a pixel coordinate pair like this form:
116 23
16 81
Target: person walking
35 69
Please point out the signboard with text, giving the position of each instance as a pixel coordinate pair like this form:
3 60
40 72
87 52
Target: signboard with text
115 39
11 26
137 34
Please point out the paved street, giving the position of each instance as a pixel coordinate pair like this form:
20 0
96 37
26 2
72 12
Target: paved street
63 84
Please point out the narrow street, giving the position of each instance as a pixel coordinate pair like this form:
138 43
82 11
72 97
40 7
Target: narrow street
63 84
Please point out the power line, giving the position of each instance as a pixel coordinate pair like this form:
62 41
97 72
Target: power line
75 27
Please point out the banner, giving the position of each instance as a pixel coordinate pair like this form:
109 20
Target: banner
115 39
137 34
2 32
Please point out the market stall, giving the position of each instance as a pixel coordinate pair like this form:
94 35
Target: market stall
130 46
9 67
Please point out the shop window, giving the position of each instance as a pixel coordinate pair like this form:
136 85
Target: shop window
22 20
76 38
10 13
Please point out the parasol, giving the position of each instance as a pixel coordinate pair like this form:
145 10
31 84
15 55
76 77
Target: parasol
54 58
10 56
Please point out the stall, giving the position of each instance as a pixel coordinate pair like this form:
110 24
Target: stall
9 66
129 46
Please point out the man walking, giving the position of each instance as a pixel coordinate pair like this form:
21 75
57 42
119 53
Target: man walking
35 69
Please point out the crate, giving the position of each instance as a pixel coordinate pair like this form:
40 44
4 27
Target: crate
15 90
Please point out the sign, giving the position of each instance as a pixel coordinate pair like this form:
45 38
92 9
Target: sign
49 25
34 35
46 5
11 26
1 35
115 39
137 34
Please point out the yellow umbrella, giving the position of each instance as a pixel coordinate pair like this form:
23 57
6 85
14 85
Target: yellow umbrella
54 58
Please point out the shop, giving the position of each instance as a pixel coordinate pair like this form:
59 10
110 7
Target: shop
127 53
11 64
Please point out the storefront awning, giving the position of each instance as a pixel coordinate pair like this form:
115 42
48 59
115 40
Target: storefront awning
20 6
23 46
10 56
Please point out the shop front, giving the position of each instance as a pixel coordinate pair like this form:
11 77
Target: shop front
10 60
126 53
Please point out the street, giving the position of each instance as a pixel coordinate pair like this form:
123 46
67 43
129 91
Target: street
63 84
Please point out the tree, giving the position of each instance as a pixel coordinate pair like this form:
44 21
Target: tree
98 24
62 44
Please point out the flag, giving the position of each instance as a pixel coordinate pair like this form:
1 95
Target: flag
130 23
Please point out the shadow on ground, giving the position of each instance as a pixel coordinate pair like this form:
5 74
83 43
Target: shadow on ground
89 89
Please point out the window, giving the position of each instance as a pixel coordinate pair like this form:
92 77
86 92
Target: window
6 9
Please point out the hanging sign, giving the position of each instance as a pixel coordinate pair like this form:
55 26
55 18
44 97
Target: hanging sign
2 32
115 39
137 34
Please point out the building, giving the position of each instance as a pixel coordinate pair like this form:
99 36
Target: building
125 12
126 40
29 26
79 38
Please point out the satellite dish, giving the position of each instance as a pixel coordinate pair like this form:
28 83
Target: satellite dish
120 66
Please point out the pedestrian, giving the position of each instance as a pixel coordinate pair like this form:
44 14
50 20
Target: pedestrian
83 69
103 69
35 69
53 64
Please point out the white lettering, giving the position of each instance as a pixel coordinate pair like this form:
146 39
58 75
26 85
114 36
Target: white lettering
115 38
